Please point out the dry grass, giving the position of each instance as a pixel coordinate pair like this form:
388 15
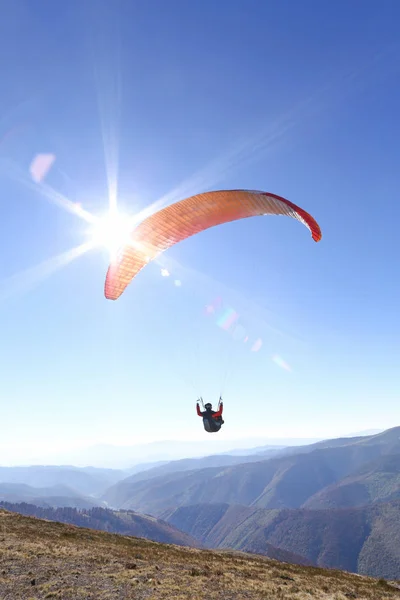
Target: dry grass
42 559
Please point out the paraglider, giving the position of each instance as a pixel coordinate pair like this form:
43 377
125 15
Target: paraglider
185 218
212 419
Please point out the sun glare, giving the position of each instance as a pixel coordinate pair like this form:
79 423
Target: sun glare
111 231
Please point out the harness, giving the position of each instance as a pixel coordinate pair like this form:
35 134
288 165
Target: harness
212 424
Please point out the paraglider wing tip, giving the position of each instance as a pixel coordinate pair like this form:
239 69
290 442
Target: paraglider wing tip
313 226
111 291
303 216
108 295
317 237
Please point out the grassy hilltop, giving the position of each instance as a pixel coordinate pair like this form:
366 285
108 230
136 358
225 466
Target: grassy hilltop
43 559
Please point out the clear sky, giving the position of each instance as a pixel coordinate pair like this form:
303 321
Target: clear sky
155 101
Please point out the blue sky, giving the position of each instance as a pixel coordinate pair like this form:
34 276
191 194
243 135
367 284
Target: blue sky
172 99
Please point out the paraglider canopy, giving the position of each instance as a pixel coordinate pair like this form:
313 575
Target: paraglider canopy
185 218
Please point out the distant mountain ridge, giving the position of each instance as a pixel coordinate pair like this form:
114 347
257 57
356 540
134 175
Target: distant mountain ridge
84 481
125 457
288 480
376 481
190 464
56 496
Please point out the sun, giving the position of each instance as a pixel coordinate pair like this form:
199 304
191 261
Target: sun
111 231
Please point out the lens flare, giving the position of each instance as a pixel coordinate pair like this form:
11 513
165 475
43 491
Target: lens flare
257 345
227 319
40 166
278 360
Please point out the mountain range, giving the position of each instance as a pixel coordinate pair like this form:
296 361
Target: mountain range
333 503
291 478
